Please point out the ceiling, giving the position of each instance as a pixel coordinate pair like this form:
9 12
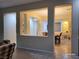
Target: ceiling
59 10
9 3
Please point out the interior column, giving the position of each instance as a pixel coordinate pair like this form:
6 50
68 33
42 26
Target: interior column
51 23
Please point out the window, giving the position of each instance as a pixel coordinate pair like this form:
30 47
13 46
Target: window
58 27
44 28
34 22
33 26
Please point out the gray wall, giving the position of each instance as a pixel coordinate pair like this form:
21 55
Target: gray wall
35 43
31 42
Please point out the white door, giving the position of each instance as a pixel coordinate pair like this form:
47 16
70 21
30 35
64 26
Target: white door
10 27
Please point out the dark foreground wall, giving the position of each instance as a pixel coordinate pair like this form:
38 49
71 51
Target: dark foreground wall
1 26
75 27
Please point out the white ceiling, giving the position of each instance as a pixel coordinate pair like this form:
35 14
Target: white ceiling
59 10
9 3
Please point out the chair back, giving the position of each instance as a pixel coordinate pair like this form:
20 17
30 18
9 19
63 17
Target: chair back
4 42
6 51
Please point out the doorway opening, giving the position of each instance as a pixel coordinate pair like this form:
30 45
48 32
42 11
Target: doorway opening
63 29
10 27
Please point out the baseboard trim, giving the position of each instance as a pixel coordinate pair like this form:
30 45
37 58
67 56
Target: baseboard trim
38 50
